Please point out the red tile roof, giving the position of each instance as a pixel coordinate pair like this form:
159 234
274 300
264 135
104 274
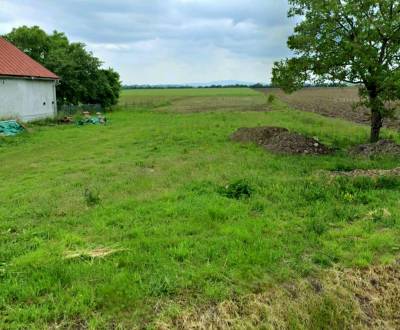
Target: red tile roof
14 62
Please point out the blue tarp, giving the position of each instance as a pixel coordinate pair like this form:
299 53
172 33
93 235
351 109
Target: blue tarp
10 128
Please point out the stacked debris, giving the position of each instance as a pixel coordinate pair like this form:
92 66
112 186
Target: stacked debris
95 120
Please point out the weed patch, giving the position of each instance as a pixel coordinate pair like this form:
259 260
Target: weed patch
239 189
92 197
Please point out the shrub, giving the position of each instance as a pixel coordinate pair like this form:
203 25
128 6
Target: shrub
271 98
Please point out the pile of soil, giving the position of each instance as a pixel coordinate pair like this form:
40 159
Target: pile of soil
280 140
380 148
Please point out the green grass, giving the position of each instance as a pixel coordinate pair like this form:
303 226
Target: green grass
152 185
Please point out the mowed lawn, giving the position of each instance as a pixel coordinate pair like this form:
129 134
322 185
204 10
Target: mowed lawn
99 225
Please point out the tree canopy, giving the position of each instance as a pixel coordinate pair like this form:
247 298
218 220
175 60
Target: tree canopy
349 41
83 80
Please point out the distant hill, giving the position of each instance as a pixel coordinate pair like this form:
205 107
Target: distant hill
222 83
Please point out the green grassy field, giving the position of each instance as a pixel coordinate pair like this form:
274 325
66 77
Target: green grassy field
194 100
147 193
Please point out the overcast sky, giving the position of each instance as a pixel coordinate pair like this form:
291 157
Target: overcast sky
167 41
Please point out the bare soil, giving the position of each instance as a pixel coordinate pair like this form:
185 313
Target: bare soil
380 148
331 102
280 140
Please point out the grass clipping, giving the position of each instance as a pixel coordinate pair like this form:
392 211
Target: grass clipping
340 299
91 254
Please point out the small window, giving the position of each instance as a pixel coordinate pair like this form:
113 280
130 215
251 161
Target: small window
44 103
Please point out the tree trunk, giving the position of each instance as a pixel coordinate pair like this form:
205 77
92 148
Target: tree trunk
376 125
376 113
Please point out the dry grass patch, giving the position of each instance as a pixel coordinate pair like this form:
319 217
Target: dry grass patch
339 299
218 103
92 254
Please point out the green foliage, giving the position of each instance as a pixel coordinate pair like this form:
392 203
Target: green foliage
108 88
355 42
82 78
290 75
33 41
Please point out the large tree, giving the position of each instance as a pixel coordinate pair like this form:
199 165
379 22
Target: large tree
83 80
350 41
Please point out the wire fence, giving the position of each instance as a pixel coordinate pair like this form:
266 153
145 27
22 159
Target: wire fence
70 110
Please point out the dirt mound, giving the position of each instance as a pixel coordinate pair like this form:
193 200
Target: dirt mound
380 148
280 140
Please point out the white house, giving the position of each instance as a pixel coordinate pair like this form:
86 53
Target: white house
27 89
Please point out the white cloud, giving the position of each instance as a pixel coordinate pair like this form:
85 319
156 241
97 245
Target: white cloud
167 41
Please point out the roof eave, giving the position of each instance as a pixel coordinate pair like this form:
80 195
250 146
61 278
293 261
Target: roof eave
28 77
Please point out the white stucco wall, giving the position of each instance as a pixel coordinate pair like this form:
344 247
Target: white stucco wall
27 99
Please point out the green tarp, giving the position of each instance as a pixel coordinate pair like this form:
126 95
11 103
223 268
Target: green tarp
10 128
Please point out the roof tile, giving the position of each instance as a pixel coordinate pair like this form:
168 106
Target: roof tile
14 62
